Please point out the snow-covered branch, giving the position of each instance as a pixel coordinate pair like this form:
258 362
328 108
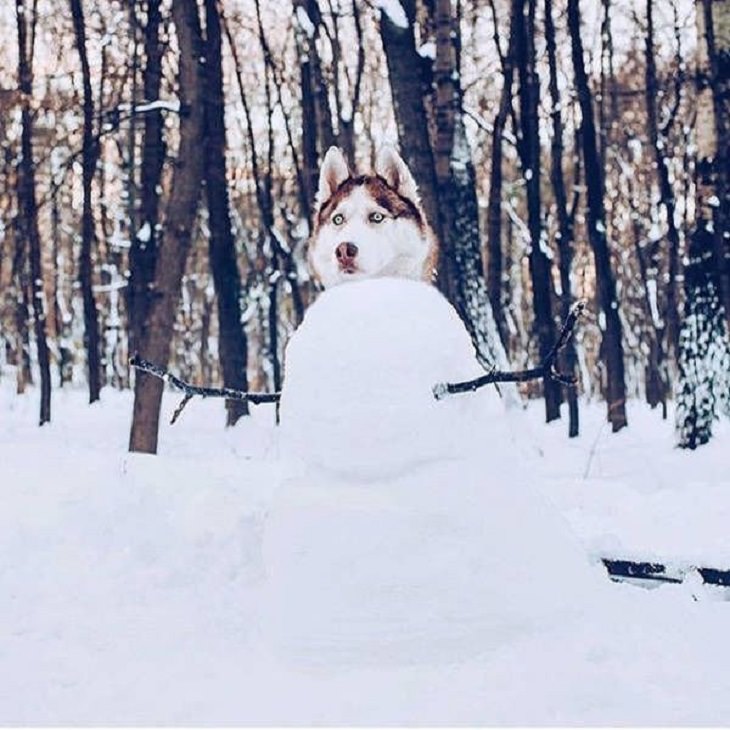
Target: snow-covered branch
546 369
203 391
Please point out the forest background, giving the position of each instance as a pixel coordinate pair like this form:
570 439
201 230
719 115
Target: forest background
159 165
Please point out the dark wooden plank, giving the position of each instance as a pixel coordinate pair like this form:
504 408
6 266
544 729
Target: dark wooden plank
643 570
715 576
619 569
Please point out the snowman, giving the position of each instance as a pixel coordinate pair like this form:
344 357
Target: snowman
405 529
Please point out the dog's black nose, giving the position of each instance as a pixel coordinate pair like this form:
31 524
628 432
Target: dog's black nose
346 251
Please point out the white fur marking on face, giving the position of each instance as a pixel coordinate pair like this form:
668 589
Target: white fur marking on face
333 173
395 247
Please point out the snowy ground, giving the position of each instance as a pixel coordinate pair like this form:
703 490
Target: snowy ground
128 583
138 589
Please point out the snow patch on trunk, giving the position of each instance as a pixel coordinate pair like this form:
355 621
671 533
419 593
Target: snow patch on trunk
394 10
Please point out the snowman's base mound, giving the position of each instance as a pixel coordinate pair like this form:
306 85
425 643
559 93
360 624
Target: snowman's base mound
443 564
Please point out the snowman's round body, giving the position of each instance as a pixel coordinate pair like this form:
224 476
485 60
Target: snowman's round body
359 375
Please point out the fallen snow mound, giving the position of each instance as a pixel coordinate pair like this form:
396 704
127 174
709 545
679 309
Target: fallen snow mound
359 376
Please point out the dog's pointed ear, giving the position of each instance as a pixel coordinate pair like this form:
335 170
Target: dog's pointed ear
390 166
333 173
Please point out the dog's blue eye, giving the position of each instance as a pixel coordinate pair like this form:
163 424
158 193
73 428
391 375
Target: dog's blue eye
377 217
338 219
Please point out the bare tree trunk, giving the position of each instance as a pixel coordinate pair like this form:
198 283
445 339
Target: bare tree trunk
529 149
494 207
179 220
27 205
62 323
596 222
319 88
131 160
607 82
447 103
347 122
656 385
310 157
232 347
269 250
565 224
144 243
317 130
24 373
89 156
282 252
666 194
407 76
443 169
462 270
713 134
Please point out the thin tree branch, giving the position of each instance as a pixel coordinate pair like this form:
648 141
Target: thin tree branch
546 369
186 399
360 58
190 390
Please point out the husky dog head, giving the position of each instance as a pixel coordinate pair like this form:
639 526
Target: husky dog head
369 225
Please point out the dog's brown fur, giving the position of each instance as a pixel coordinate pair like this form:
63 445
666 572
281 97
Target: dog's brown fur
383 194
